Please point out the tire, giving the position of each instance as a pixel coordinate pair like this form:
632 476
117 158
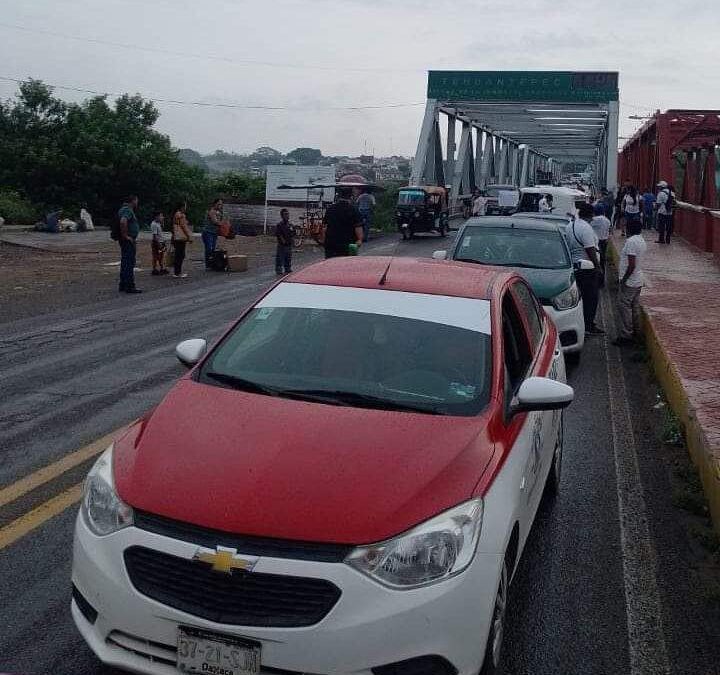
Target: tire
493 649
552 484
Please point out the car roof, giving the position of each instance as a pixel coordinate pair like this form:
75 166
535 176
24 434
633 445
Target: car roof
519 223
412 275
553 190
547 217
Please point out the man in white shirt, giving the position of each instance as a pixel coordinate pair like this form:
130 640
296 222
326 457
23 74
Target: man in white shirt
631 283
664 204
479 204
584 246
545 205
601 227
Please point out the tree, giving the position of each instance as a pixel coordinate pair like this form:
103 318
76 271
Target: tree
306 156
92 153
192 158
264 156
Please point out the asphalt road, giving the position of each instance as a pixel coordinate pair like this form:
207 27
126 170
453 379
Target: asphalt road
604 586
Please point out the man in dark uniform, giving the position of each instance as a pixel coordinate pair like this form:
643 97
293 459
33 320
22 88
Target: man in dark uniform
342 225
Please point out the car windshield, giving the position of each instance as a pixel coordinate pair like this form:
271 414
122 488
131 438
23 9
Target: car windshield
513 247
355 358
411 198
492 192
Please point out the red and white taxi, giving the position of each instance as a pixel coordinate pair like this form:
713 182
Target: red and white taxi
344 483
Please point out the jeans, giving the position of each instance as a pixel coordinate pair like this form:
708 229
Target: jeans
210 241
283 258
588 282
127 264
366 218
179 257
629 306
650 220
603 258
664 228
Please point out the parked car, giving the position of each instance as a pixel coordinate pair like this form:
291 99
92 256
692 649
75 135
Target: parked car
493 207
344 483
536 249
565 200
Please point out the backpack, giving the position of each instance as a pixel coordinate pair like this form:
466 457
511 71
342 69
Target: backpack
219 261
670 203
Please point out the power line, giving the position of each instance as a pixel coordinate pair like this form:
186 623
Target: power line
231 105
207 57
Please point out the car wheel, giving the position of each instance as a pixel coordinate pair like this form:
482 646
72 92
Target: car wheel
552 484
493 649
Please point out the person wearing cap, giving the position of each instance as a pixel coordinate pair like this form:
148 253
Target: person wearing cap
664 204
601 226
342 225
583 244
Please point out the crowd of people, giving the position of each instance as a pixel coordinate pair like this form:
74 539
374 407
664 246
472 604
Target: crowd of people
346 225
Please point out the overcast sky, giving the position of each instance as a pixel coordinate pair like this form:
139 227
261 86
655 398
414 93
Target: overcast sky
321 54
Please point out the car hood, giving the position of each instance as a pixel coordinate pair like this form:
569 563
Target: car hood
260 465
546 284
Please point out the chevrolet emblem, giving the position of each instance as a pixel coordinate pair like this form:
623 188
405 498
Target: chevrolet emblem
225 560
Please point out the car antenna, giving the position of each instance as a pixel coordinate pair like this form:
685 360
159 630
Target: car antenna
385 273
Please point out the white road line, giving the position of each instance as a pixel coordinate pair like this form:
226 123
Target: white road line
646 638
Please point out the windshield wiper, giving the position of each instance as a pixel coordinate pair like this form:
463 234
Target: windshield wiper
352 398
501 264
241 383
470 260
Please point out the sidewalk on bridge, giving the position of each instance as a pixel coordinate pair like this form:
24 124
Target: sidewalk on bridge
681 316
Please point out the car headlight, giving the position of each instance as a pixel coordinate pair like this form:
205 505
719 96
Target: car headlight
438 549
103 510
567 299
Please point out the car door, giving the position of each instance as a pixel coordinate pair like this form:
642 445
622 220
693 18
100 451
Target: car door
524 429
545 430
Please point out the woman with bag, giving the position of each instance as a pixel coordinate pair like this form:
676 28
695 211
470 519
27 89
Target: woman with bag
181 237
211 229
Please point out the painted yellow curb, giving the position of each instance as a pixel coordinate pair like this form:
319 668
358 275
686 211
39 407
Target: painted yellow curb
671 382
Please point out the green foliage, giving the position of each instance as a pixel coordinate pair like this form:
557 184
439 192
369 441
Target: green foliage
239 186
15 209
384 216
94 154
305 156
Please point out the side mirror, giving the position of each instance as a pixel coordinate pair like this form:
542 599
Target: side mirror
542 393
439 255
189 352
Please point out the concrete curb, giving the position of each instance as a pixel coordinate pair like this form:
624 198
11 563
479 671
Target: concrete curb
700 449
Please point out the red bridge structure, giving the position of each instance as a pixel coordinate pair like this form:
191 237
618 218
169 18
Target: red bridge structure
681 147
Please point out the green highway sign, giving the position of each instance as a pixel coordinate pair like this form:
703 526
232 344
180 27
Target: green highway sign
509 85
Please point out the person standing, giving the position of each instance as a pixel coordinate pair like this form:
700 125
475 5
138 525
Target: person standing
284 233
584 253
181 237
86 220
648 200
601 227
365 205
479 207
609 202
631 283
127 238
665 202
157 245
211 228
631 206
342 225
545 205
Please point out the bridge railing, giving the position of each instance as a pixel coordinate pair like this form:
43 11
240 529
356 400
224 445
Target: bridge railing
700 226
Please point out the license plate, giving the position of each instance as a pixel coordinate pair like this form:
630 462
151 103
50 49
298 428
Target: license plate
202 652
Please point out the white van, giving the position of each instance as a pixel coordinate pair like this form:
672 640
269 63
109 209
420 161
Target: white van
565 200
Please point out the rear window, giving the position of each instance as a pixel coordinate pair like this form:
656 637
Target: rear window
513 247
411 197
356 358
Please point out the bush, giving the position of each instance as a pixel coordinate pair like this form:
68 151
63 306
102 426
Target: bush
386 206
15 209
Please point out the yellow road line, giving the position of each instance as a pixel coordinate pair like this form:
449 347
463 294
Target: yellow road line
51 471
32 519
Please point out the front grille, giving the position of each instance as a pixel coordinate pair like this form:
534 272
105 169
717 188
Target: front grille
420 665
241 598
155 652
255 546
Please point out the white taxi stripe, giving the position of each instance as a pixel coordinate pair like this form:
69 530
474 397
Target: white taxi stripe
468 313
